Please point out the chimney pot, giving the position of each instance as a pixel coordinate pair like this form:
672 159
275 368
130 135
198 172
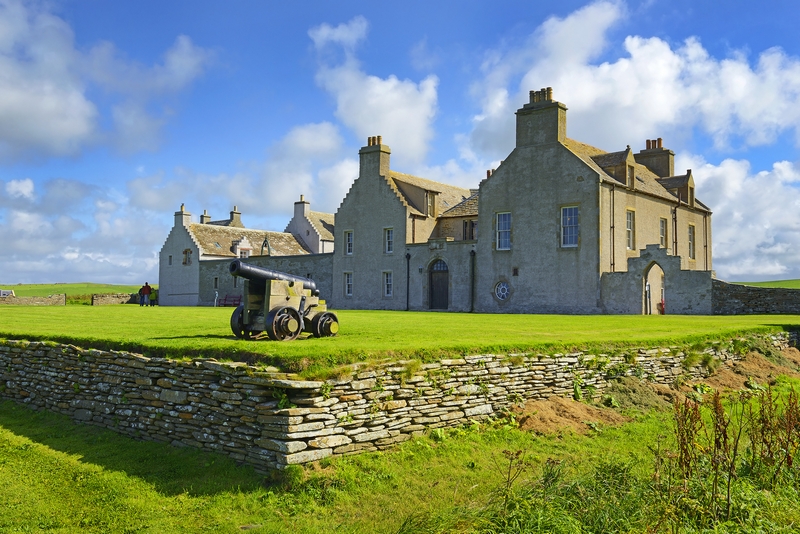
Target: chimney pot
301 198
183 207
648 144
659 142
549 93
488 173
531 96
380 140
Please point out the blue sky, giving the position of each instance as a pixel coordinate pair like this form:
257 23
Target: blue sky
112 114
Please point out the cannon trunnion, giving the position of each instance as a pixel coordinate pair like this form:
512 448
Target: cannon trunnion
280 304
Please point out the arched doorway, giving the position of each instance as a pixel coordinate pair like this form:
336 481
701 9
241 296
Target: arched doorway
439 282
653 302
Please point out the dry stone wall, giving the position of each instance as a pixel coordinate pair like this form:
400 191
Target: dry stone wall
51 300
114 298
269 421
735 299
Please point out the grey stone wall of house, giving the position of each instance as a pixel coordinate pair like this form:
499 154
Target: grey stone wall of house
269 421
533 184
686 292
178 274
50 300
735 299
114 298
314 266
457 257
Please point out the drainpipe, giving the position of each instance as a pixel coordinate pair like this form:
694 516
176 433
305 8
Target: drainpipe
705 241
472 280
408 277
613 226
675 228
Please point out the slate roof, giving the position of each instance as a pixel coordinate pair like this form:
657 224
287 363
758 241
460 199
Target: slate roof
611 159
466 208
448 195
674 182
323 222
646 180
215 240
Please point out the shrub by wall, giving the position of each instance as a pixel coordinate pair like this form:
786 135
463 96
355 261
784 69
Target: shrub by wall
270 421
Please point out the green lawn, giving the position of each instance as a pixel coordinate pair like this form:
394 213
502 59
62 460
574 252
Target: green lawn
364 335
43 290
789 284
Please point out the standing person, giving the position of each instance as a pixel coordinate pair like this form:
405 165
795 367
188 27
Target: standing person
144 294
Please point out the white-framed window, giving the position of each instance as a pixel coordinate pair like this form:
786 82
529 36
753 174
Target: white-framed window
169 260
662 232
630 229
388 240
430 200
348 284
569 226
387 284
503 231
348 242
691 241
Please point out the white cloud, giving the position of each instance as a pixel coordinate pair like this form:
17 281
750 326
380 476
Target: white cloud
756 220
402 111
20 188
654 90
45 80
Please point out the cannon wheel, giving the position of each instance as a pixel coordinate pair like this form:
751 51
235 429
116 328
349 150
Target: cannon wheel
237 324
325 324
284 324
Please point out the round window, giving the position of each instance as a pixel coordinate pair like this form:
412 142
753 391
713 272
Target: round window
501 290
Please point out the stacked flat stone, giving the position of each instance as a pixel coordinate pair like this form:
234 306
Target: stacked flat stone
270 420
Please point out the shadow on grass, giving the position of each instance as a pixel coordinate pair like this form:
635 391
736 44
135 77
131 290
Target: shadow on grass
171 470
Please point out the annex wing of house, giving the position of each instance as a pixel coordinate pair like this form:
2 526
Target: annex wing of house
558 227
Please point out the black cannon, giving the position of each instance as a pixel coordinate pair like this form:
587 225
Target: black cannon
280 304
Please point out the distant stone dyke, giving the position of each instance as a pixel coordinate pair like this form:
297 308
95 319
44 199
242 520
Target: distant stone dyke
51 300
736 299
114 298
270 421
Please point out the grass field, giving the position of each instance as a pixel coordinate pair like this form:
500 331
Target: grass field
43 290
59 477
789 284
364 335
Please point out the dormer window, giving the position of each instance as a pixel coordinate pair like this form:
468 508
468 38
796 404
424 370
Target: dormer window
430 200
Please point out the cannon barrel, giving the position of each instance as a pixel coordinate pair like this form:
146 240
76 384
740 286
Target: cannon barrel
251 272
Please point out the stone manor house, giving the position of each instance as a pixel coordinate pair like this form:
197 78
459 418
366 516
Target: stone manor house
558 227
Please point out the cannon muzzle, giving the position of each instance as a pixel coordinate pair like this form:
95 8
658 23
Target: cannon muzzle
251 272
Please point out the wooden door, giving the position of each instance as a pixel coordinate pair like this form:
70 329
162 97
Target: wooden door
439 285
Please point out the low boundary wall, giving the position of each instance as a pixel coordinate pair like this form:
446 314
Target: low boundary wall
736 299
114 298
51 300
270 421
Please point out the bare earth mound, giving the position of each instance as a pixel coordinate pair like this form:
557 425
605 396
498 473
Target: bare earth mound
557 414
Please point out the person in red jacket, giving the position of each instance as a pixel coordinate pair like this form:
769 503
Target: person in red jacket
144 294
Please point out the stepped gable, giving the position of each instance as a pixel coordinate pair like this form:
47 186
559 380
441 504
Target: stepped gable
324 224
215 240
448 195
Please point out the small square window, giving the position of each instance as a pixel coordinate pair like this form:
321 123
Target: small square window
515 271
